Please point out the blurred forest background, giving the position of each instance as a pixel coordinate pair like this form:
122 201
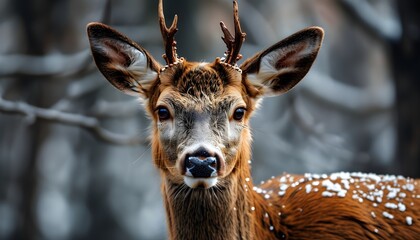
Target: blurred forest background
74 156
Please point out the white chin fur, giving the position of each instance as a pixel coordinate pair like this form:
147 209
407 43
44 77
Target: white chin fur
196 182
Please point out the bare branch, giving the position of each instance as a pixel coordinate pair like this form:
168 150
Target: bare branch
55 64
385 28
363 101
259 24
44 66
78 89
83 86
116 109
89 123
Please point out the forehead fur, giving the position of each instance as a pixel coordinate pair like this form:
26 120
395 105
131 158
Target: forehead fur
202 79
199 79
200 84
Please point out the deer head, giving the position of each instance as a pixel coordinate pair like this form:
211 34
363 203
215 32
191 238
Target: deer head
200 111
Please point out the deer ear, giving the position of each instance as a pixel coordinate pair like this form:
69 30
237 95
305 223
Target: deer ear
280 67
124 64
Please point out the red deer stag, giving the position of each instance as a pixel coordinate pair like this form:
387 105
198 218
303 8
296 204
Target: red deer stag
201 143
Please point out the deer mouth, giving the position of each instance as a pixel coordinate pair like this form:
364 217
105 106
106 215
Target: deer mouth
193 182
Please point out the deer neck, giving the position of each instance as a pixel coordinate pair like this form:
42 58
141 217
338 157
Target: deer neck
222 212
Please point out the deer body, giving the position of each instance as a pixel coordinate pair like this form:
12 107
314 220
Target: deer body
201 143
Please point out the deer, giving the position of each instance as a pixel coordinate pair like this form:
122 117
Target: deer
201 144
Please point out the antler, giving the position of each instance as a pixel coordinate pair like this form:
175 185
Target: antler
168 34
233 44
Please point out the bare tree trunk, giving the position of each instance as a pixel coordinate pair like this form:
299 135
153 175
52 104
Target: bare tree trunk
35 19
406 73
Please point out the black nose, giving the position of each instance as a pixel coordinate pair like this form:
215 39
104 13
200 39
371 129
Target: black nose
201 164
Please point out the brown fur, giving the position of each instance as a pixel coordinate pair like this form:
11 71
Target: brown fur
201 98
235 210
299 214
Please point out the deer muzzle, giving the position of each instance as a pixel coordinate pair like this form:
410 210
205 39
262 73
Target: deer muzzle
201 168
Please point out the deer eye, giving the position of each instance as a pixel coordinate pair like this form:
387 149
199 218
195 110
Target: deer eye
163 113
239 114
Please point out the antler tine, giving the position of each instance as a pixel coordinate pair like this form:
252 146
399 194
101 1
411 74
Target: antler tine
168 34
233 44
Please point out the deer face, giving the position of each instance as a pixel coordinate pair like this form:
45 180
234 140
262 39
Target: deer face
201 119
200 111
